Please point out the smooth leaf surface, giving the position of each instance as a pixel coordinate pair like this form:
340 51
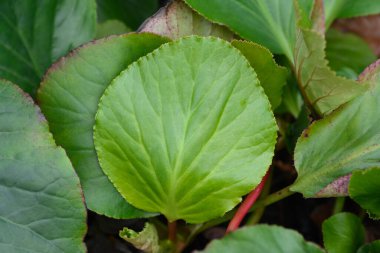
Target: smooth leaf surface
344 141
177 20
186 131
271 23
364 188
343 233
41 205
349 8
111 27
272 77
347 50
262 238
69 97
131 12
35 33
373 247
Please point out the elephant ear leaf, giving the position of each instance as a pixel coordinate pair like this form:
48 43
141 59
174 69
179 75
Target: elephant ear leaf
40 197
344 141
186 130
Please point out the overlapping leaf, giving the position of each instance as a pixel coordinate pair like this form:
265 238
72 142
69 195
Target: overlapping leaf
36 33
41 205
69 98
186 131
346 140
262 238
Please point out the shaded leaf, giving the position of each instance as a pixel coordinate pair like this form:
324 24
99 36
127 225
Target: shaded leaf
146 240
262 238
373 247
364 188
272 77
130 12
344 141
186 131
111 27
36 33
69 98
343 233
41 205
177 20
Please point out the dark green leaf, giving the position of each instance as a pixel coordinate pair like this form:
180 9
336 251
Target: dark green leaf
41 205
111 27
343 233
260 239
187 130
373 247
69 98
35 33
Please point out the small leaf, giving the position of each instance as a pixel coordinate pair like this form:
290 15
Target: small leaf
186 130
177 20
111 27
343 233
373 247
41 205
364 188
131 12
344 141
69 97
146 240
262 238
36 33
272 77
346 50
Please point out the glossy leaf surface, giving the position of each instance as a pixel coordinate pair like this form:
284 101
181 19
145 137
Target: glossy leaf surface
364 188
344 141
41 205
35 33
186 131
177 20
69 98
262 238
343 233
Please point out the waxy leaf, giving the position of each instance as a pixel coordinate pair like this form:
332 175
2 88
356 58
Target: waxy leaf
69 97
343 233
364 188
35 33
177 20
271 23
373 247
41 205
186 131
262 238
131 12
347 50
346 140
272 76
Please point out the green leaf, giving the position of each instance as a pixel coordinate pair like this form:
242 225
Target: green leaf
69 97
111 27
349 8
35 33
262 238
373 247
177 20
186 131
146 240
346 140
364 188
346 50
271 76
321 88
131 12
271 23
343 233
41 205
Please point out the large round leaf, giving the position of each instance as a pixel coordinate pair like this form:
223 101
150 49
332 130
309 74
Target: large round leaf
69 98
35 33
263 238
41 205
187 130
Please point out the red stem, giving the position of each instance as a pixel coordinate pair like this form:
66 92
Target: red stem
172 231
246 205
